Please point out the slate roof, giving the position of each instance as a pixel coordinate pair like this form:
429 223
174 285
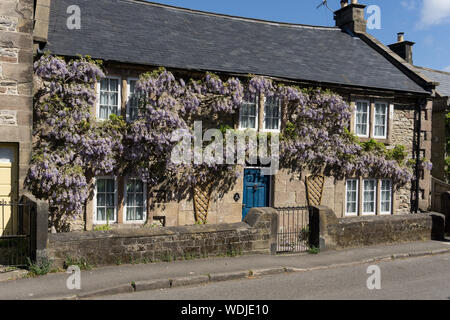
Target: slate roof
438 76
153 34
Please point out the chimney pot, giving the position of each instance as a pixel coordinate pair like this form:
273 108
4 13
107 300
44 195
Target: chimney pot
350 17
403 48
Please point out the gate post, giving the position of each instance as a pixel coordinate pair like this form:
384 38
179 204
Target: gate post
314 228
38 211
324 221
41 230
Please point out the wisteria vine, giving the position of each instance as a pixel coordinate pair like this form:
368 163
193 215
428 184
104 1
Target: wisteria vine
70 147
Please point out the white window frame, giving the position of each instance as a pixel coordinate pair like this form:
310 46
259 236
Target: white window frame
374 200
352 214
390 199
368 118
279 117
385 119
102 222
119 96
144 216
128 97
256 115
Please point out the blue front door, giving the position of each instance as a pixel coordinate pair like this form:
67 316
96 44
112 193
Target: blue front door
256 190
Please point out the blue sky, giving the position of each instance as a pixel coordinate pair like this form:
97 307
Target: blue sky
425 22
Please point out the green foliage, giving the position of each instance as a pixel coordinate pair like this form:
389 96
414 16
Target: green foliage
167 257
373 145
81 263
38 268
314 250
103 227
397 153
289 131
304 233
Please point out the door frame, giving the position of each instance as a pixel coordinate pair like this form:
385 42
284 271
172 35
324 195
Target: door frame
270 185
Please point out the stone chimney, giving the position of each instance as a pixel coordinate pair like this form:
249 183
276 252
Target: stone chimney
403 48
350 17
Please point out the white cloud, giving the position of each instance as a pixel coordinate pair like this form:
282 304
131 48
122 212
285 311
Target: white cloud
434 12
447 69
409 4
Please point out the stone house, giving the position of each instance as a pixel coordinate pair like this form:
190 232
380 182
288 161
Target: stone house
393 103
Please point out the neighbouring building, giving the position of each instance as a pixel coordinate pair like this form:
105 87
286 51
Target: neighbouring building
393 102
441 106
16 102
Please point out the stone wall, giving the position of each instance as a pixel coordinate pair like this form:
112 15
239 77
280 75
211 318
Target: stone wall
403 134
438 188
338 233
16 61
438 147
257 234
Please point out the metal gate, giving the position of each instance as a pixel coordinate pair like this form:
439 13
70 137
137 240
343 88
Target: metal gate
16 220
293 230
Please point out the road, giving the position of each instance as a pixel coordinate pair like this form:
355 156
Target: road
412 278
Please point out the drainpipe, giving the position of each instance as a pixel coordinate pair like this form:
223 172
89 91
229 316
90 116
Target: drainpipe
415 209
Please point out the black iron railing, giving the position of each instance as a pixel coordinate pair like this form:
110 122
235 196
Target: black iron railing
293 230
16 220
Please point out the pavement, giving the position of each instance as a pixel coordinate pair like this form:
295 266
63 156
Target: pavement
418 278
106 281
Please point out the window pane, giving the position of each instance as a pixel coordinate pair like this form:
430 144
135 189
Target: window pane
110 199
248 115
386 194
139 214
103 98
380 119
369 196
252 123
252 110
271 113
130 186
135 199
101 185
110 185
139 200
101 214
361 121
351 197
110 214
139 186
113 85
244 111
130 214
113 99
101 200
104 84
132 86
244 122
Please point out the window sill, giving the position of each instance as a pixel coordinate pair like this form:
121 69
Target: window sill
383 140
270 130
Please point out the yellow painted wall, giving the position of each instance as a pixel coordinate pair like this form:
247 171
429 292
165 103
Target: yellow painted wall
8 189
